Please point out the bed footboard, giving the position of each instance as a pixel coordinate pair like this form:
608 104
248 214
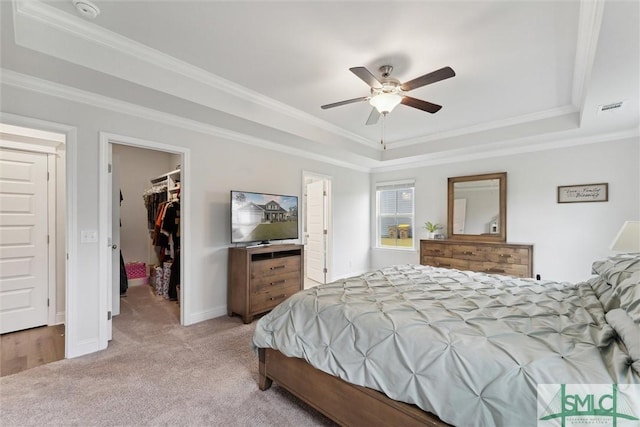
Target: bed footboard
344 403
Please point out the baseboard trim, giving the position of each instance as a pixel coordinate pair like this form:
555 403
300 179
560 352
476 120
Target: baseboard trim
60 317
206 315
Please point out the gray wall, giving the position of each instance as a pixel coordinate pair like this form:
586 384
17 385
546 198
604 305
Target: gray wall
217 166
567 238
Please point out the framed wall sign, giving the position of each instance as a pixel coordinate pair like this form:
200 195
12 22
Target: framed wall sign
583 193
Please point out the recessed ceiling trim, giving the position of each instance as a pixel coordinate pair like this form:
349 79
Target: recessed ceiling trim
45 87
130 50
501 149
483 127
589 24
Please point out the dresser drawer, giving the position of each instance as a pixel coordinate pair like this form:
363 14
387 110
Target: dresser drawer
283 278
506 255
518 270
436 250
458 264
467 251
275 266
269 298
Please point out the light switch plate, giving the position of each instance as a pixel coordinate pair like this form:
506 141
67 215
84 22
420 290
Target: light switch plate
88 236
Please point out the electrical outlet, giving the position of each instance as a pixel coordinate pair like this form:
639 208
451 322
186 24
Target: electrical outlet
88 236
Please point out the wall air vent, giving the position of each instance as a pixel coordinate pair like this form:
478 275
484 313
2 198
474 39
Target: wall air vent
610 107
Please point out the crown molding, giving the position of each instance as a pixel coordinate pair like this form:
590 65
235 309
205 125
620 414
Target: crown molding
46 87
483 127
497 149
589 24
102 38
504 148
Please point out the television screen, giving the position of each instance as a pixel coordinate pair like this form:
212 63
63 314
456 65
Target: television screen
261 217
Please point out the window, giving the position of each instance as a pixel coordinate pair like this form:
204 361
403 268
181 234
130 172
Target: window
394 215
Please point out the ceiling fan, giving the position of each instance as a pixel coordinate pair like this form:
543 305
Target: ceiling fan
388 92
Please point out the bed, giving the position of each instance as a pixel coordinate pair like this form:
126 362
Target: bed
418 345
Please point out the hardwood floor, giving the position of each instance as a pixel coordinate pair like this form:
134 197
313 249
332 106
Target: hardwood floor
27 349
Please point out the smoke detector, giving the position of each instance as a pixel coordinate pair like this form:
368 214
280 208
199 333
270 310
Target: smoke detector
86 8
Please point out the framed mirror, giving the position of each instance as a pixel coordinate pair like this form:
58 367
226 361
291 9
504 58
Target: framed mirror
477 207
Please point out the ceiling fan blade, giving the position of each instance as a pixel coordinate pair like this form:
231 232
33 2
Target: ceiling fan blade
348 101
366 76
420 104
435 76
373 117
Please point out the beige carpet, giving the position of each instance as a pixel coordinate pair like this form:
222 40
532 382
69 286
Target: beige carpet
155 372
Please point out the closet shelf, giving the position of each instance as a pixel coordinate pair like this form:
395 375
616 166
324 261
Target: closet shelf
165 176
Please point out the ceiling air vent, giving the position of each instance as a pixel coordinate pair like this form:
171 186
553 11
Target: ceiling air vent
610 107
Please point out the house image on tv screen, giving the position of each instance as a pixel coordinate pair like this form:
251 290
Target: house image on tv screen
263 217
251 213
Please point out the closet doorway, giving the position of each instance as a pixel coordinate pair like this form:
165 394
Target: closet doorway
140 182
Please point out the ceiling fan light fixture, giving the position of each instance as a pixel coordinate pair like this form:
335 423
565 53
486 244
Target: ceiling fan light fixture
385 102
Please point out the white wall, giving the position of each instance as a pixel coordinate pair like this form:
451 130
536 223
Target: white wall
136 166
567 238
217 166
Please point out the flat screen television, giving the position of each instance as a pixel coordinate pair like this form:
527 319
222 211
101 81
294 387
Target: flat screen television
262 217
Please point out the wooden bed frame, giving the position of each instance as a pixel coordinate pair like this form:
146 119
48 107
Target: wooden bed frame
346 404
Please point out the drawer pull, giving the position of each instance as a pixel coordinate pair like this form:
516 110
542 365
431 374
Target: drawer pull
468 253
277 267
277 282
436 251
278 297
494 270
438 264
505 255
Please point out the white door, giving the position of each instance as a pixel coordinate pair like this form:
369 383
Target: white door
23 233
316 231
115 237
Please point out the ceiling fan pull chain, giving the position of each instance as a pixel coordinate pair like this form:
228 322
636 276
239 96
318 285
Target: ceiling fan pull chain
384 119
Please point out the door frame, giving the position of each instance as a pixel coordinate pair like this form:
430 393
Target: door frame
105 214
313 176
72 345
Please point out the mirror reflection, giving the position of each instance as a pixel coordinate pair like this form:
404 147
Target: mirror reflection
476 207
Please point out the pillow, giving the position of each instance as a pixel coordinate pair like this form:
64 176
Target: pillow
628 292
604 292
629 333
617 268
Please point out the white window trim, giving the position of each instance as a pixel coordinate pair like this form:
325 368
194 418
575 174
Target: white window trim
388 185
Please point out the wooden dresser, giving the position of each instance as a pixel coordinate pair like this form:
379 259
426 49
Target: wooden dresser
489 257
260 278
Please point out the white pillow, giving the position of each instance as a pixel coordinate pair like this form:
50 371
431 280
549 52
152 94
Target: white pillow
628 292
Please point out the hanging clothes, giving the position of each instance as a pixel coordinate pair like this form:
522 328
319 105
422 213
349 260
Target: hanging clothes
124 281
171 228
154 198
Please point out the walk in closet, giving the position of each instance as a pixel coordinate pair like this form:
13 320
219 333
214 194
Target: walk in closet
150 182
162 201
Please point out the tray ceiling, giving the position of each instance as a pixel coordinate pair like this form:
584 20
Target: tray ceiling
529 74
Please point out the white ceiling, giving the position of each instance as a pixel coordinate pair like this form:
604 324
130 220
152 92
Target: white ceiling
529 74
